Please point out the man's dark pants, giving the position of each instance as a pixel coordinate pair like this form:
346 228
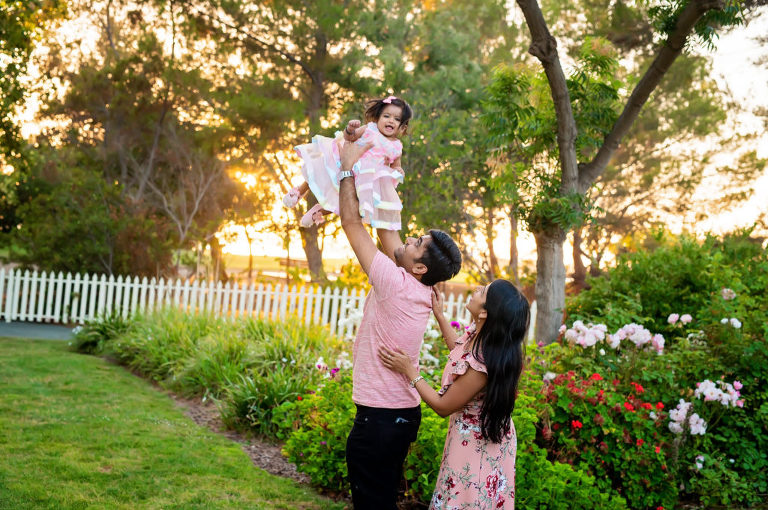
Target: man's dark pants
376 449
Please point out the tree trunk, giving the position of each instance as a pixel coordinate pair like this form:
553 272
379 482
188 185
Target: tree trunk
513 269
309 241
309 236
579 270
250 256
219 269
493 262
550 283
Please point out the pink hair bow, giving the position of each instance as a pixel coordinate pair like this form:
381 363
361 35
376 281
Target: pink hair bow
389 99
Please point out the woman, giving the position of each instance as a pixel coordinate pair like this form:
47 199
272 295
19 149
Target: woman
479 387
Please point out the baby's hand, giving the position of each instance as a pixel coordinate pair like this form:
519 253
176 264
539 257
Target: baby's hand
350 132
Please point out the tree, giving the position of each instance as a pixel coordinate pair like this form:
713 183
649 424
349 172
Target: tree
665 158
563 205
448 168
21 23
136 114
319 54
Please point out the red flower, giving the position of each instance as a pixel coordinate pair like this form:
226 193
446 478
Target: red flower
576 424
646 405
602 446
615 382
596 377
659 406
299 398
629 407
556 426
639 389
658 449
659 508
640 442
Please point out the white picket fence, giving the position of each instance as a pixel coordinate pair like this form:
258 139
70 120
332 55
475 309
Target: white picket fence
59 298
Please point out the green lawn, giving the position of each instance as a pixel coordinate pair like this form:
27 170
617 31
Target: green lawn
78 432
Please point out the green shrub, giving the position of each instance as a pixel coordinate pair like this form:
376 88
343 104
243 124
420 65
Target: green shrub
712 281
315 428
252 365
92 337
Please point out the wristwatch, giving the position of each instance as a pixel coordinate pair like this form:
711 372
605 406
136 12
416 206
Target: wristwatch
345 173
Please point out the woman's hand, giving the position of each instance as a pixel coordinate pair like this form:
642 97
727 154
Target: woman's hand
437 302
397 361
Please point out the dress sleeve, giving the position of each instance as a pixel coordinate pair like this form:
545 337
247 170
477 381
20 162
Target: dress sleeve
467 360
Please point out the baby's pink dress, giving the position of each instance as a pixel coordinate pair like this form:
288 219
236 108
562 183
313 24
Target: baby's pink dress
375 180
475 473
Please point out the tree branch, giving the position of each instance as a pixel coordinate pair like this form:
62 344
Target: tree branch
544 47
690 15
262 44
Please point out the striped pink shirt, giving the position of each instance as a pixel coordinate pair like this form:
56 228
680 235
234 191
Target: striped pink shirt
395 315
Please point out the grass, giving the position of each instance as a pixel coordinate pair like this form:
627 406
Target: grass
78 432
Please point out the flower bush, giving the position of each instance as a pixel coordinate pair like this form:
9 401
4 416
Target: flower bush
707 368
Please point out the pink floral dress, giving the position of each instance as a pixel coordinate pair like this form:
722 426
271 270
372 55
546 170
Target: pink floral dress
375 180
475 473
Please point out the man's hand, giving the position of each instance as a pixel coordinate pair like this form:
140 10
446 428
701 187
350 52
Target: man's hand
350 154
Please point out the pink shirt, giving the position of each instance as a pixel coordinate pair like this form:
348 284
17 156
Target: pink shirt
395 315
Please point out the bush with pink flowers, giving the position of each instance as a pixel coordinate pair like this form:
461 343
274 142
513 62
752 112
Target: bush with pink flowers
687 323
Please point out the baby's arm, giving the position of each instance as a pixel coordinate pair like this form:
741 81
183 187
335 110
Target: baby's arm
395 165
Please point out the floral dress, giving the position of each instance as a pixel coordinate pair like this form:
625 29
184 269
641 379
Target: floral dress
375 180
475 473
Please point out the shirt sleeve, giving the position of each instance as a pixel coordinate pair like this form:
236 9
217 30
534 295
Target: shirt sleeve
384 275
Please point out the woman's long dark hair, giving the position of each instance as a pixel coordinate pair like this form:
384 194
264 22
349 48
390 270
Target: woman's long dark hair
500 344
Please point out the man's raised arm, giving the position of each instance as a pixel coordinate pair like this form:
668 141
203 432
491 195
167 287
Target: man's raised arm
349 206
390 240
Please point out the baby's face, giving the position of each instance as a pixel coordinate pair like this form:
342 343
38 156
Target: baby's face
389 121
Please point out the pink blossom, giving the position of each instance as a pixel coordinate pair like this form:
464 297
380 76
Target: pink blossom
657 341
673 318
737 385
740 403
727 294
686 318
697 424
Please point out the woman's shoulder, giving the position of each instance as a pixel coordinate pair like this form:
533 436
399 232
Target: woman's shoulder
461 358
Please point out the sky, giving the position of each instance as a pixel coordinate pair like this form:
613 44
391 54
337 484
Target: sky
735 70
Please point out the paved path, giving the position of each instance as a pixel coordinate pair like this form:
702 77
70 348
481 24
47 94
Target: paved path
35 330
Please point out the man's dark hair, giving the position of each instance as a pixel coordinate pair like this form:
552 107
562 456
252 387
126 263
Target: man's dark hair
442 258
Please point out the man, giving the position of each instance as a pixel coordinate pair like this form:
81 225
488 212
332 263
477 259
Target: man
395 315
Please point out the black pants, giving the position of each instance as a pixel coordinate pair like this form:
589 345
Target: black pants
376 449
